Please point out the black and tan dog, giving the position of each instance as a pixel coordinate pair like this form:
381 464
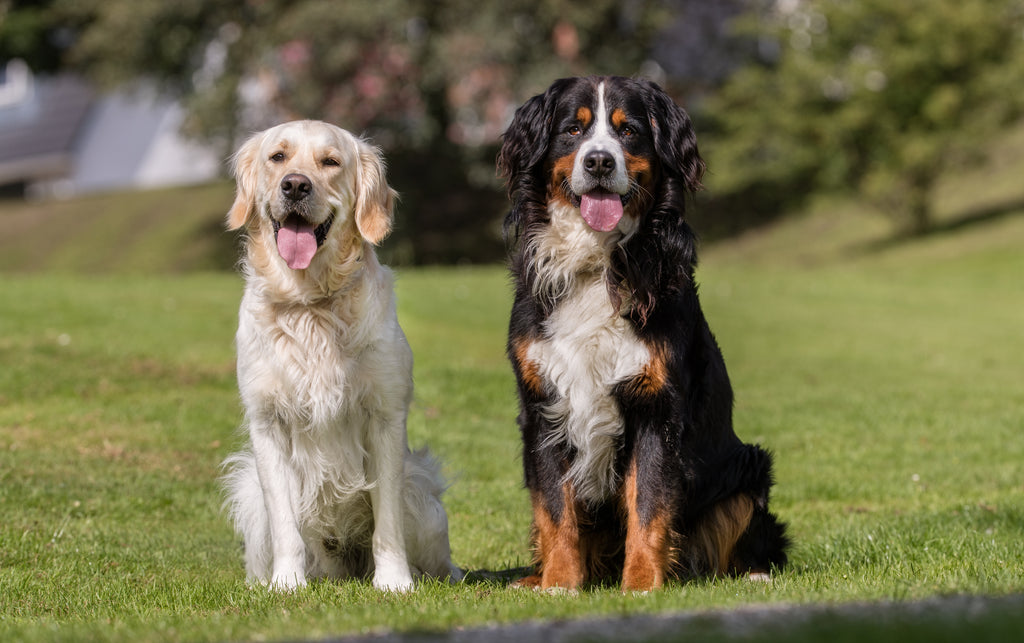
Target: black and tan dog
629 452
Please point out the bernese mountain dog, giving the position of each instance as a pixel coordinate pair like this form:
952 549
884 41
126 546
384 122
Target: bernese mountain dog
632 465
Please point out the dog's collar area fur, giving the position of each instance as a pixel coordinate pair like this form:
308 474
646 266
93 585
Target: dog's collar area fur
320 232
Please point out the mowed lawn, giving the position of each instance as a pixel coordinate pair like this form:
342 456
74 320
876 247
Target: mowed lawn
889 382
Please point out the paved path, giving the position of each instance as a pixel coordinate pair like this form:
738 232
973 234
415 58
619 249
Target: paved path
946 619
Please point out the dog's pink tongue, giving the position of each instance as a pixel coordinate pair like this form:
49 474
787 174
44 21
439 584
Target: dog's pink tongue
296 243
601 210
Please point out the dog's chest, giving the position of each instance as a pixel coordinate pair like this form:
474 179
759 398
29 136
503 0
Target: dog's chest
309 366
314 372
586 350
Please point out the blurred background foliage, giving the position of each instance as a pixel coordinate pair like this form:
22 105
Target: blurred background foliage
791 97
870 95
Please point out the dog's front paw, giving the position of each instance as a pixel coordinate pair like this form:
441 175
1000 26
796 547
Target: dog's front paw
392 584
529 582
393 581
391 571
287 581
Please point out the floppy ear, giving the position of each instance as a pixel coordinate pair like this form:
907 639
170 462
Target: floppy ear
243 167
375 200
525 142
524 146
674 139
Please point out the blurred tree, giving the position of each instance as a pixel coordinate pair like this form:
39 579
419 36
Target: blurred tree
434 83
29 32
873 95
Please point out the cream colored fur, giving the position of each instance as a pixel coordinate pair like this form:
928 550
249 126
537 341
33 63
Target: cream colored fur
327 486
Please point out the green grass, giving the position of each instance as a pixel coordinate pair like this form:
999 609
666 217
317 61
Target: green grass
168 230
889 389
886 378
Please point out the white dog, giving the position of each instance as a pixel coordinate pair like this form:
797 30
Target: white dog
328 487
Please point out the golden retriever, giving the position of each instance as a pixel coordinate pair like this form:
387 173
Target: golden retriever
327 486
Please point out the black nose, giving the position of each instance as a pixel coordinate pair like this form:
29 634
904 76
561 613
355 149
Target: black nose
296 187
599 163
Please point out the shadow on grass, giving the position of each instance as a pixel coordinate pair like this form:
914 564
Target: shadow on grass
496 576
945 619
972 218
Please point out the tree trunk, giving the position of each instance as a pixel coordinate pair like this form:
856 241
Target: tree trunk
918 204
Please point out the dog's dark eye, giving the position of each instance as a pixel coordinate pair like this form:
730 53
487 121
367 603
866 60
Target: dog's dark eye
331 162
278 157
574 130
627 131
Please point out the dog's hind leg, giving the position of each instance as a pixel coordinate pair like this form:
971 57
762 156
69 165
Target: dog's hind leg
760 542
762 546
426 523
732 531
717 534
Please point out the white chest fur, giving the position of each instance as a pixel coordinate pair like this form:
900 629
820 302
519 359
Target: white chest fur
587 349
323 382
317 366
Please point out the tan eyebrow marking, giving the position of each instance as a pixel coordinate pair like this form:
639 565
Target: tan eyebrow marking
618 118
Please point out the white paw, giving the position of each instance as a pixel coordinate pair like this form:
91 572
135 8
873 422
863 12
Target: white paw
392 584
759 577
287 581
393 579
